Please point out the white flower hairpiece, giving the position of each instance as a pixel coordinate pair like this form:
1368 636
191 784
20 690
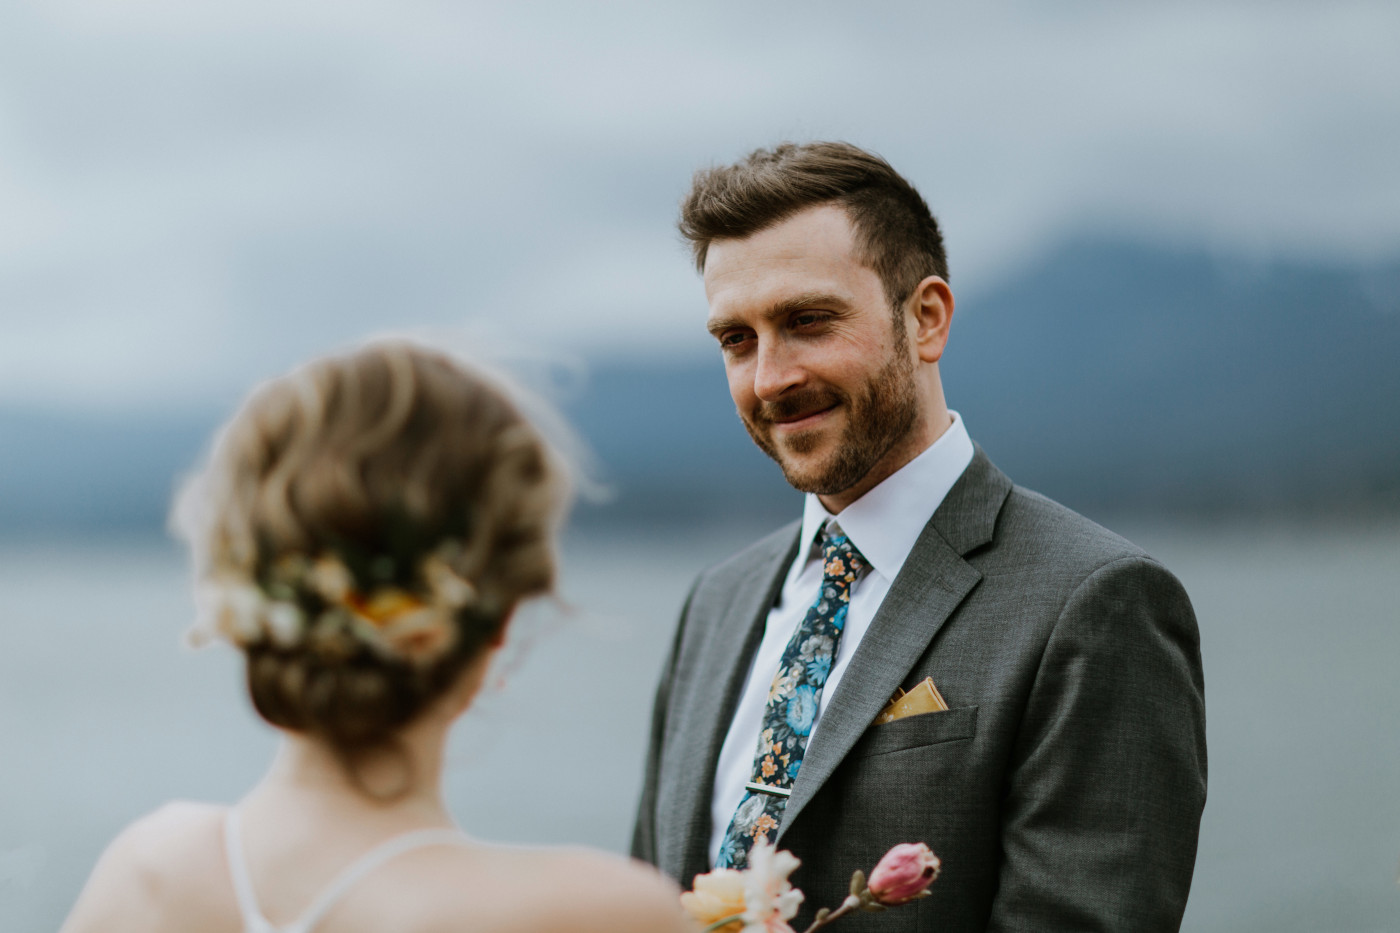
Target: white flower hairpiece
416 626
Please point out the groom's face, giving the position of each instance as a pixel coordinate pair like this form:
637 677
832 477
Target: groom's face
820 371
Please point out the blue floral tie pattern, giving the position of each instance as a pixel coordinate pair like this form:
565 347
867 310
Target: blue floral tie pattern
792 702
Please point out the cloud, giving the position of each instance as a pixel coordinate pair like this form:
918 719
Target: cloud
199 195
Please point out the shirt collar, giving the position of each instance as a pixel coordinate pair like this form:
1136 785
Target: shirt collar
885 523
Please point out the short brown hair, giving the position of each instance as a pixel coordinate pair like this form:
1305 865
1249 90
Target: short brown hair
897 235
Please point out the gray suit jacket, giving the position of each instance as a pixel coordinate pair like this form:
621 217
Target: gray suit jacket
1063 789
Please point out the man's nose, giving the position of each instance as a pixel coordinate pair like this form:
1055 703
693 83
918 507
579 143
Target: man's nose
776 370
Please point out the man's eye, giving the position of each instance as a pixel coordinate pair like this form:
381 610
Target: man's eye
807 319
732 341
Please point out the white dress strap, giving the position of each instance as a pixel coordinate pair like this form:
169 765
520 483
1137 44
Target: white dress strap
253 919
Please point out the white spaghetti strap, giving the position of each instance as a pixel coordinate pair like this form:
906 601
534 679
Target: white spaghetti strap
253 919
369 862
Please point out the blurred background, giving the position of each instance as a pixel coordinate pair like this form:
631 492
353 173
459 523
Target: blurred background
1174 233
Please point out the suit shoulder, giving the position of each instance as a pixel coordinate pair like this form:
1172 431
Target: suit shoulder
1031 523
1053 557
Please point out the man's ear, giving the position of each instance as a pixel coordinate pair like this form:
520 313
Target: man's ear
932 307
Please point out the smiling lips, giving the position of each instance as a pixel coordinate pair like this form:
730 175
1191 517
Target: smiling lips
801 418
795 411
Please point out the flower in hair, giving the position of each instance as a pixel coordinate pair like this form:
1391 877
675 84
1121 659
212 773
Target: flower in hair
447 587
285 623
398 624
330 579
235 611
415 625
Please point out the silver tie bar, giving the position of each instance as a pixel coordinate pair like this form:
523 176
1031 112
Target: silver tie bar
766 789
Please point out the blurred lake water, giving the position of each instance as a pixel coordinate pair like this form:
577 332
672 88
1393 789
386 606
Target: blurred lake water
104 715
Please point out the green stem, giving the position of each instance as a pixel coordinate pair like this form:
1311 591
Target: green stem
848 905
723 922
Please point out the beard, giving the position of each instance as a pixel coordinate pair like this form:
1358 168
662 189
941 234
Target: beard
878 416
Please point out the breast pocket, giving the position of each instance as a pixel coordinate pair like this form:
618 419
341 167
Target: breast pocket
918 731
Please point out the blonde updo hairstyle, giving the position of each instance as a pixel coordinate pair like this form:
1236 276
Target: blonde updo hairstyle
378 457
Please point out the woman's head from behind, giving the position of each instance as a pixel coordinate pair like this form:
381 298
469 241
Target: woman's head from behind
363 529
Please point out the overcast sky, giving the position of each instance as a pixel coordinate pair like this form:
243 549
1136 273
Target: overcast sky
193 196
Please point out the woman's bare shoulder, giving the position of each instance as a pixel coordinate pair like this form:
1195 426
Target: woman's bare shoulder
179 822
156 855
577 889
179 839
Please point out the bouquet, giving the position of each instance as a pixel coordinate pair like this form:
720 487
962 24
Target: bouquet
760 897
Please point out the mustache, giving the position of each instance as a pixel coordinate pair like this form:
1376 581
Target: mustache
798 404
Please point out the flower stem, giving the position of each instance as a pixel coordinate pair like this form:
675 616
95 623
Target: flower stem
848 905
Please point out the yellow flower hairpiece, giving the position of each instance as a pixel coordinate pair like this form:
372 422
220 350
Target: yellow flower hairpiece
395 622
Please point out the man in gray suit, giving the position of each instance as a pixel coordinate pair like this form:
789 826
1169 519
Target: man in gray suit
1062 785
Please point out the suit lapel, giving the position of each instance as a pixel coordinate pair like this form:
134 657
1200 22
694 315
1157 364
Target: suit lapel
734 637
932 583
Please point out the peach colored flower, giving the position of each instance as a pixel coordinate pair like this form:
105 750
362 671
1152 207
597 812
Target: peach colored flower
770 899
447 586
717 895
331 579
420 636
904 873
384 606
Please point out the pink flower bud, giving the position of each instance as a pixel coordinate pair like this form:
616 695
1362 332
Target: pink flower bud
904 873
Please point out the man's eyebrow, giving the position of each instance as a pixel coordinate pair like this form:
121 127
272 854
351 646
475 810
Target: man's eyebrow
827 300
718 325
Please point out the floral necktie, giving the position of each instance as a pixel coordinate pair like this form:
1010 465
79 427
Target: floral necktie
792 702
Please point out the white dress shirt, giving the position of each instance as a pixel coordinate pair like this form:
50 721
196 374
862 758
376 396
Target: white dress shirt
883 525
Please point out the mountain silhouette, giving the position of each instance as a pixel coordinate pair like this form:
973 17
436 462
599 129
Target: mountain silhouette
1113 376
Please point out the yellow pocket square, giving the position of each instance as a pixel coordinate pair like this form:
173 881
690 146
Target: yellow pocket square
924 698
